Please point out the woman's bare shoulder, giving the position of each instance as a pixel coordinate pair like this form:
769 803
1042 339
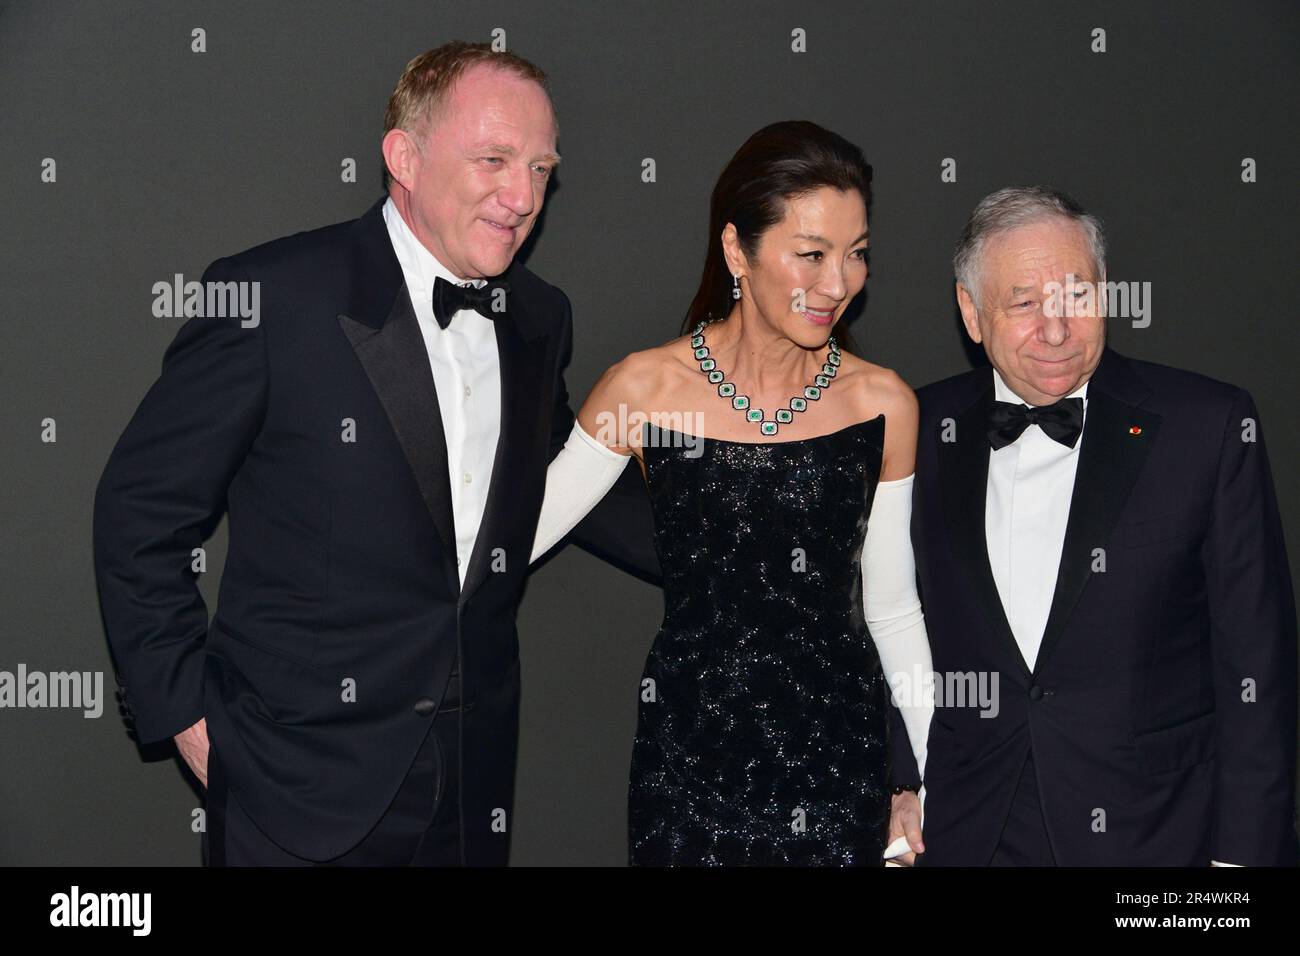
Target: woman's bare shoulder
877 389
643 375
640 382
881 390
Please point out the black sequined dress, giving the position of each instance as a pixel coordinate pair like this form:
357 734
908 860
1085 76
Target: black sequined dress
761 729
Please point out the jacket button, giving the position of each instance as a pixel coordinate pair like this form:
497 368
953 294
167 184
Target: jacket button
425 706
1035 693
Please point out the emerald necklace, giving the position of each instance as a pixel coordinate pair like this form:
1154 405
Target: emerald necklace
741 402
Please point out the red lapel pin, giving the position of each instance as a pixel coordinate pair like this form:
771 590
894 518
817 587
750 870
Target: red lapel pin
1135 430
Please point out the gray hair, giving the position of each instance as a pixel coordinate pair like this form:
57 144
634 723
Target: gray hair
1013 207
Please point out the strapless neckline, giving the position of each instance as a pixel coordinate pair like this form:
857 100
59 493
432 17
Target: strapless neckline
765 444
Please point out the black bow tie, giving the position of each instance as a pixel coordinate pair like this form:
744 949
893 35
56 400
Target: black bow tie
1062 421
449 298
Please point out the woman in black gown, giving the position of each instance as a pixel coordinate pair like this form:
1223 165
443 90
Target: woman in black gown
767 707
762 723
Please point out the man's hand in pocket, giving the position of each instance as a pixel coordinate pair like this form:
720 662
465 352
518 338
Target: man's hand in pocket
193 745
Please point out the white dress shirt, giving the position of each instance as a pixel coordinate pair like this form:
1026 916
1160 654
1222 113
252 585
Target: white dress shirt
1030 486
467 376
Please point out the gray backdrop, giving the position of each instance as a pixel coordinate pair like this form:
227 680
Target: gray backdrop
167 159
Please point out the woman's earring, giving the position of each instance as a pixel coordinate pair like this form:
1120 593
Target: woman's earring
735 286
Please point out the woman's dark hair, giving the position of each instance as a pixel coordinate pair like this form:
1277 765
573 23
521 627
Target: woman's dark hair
778 163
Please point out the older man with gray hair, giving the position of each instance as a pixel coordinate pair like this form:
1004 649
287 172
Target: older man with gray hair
1098 538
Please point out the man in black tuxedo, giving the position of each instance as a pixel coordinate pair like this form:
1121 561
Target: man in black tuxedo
379 435
1098 543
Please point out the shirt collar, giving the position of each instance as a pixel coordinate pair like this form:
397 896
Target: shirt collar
1002 391
416 261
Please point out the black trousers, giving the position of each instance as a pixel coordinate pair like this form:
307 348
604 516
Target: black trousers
1024 840
421 827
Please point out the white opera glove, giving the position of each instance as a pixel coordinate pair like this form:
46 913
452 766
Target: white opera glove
576 480
894 617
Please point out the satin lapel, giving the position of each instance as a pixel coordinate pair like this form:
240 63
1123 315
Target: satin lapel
1109 463
521 391
964 471
396 361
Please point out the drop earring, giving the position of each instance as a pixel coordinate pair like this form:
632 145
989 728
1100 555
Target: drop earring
735 286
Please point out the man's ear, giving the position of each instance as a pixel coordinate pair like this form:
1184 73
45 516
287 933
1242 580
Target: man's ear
400 155
969 314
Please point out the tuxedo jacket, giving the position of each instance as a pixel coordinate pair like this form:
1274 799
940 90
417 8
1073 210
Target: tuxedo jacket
341 611
1161 710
